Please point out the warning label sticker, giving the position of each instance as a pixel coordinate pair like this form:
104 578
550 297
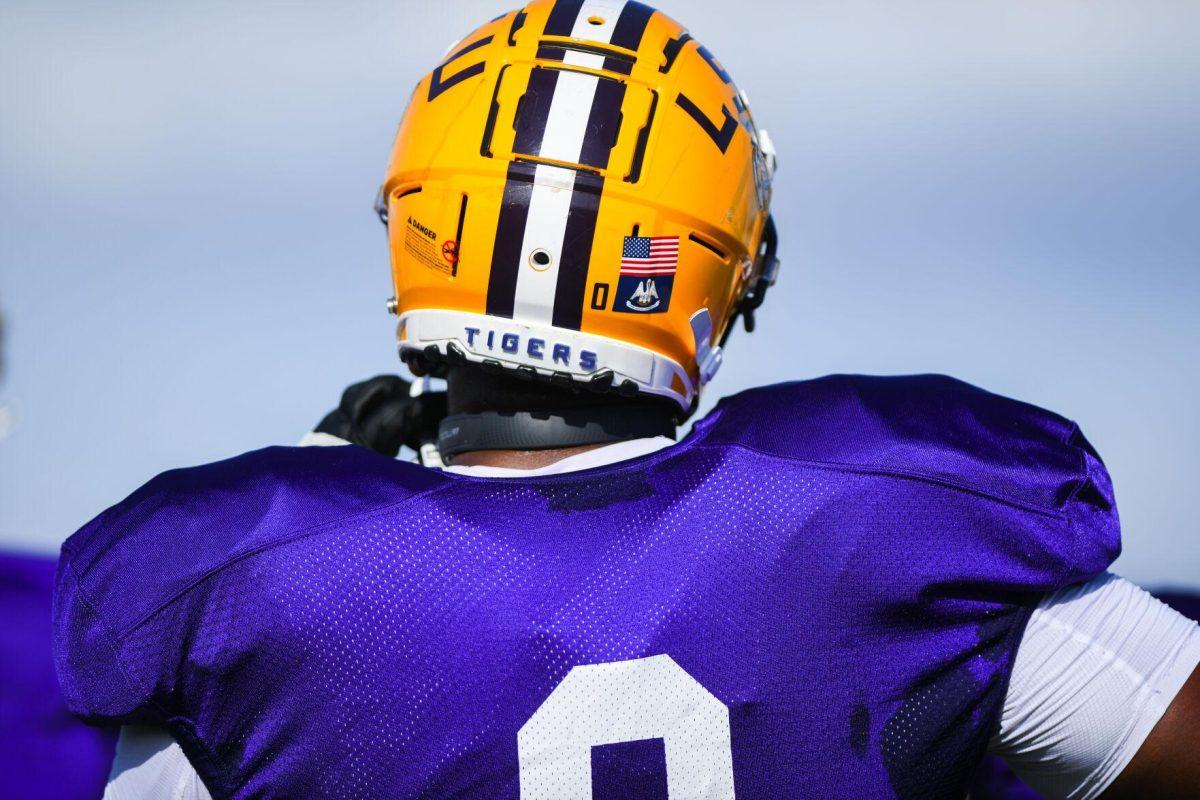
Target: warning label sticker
422 244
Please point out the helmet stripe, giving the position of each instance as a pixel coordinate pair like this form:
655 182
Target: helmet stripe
580 231
565 116
577 251
562 17
535 111
510 232
631 25
602 121
542 251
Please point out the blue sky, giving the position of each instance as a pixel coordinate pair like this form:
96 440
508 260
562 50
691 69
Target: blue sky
1005 190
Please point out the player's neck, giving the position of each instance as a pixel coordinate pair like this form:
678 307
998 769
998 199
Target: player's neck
520 459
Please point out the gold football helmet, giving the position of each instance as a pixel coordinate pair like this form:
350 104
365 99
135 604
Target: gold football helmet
579 194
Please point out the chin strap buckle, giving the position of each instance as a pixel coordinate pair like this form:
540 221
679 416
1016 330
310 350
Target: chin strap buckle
708 355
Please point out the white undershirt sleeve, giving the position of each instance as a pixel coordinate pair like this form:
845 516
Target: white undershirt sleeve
318 439
149 765
1097 667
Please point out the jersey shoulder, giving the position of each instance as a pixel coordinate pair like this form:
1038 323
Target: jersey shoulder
186 524
927 427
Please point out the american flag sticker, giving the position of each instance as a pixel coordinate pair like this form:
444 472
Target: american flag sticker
648 266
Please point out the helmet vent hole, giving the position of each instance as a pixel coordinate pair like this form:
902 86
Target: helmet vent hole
540 260
595 20
708 245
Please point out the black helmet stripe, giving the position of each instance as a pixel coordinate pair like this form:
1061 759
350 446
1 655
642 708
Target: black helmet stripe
535 111
577 251
510 231
602 124
631 25
562 17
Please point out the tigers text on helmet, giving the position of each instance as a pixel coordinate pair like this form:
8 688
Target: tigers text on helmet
579 194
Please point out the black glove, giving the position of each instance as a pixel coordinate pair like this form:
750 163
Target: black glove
379 414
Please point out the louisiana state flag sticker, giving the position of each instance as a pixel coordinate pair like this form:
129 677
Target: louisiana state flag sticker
648 265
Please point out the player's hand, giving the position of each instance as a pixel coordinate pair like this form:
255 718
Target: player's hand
379 414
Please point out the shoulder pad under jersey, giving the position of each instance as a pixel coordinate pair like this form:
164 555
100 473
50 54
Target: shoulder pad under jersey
932 428
183 525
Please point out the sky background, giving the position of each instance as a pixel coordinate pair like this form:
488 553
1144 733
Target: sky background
1007 191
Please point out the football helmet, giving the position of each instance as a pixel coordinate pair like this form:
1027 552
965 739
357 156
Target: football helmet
579 194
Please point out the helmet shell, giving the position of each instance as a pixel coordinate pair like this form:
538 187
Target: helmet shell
577 192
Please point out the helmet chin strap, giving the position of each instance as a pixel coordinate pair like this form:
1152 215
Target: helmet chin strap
547 430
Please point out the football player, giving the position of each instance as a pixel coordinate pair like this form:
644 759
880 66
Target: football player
851 587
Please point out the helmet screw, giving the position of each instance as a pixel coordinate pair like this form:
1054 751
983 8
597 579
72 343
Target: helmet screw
393 306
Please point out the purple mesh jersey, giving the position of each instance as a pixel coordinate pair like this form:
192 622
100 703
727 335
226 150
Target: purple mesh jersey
818 593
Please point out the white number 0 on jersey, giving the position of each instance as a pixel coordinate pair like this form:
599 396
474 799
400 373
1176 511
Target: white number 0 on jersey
627 701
